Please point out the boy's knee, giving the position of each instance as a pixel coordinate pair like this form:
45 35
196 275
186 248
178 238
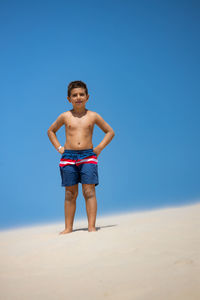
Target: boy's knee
88 191
71 194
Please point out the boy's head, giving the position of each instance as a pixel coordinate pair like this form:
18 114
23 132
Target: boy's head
77 94
76 84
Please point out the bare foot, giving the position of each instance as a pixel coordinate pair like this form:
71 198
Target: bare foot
66 231
91 229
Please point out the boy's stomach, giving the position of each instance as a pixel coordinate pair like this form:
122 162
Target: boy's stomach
78 144
79 138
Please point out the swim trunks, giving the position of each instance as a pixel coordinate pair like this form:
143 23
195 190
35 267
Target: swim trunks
79 166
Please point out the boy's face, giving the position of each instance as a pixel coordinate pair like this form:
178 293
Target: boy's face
78 97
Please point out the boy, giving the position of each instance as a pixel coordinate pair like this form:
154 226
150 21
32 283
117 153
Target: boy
79 161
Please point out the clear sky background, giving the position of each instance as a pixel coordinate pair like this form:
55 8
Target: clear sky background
140 60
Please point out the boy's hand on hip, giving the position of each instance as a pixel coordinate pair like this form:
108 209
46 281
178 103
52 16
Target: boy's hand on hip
97 151
61 150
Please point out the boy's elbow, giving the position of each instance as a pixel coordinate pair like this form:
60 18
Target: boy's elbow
49 132
113 133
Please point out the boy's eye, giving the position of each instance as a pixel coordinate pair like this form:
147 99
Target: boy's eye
75 95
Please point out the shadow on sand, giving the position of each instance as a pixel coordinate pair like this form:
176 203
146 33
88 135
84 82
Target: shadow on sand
97 228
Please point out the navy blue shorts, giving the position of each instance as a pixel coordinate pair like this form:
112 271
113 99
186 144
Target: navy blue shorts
79 166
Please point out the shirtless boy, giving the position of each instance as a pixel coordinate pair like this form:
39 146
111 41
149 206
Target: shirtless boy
79 160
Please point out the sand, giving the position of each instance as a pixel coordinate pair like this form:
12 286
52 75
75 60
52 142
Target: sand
143 255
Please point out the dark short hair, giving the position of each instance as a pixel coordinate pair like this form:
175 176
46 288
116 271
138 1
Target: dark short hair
76 84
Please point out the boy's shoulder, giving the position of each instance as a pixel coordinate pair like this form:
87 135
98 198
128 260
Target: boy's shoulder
93 113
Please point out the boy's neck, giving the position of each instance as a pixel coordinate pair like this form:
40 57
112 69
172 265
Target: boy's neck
78 111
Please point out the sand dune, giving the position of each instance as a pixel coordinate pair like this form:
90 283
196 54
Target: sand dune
149 255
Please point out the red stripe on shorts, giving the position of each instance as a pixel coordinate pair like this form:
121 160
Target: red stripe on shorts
87 160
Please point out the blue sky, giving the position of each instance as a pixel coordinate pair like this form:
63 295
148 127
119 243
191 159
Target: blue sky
140 61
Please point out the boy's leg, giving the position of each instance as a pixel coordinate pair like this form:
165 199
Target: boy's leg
71 193
89 194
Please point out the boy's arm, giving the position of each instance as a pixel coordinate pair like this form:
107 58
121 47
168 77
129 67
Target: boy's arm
107 129
51 132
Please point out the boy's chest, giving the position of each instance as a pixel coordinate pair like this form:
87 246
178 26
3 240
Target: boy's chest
84 123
